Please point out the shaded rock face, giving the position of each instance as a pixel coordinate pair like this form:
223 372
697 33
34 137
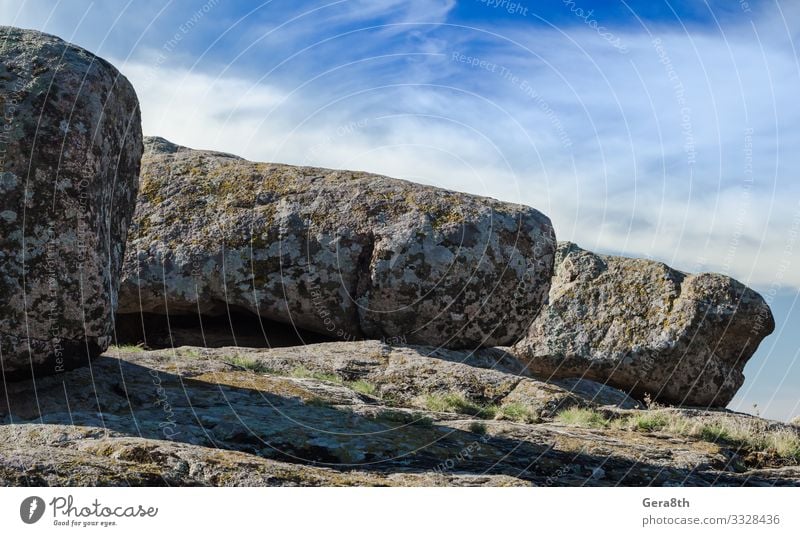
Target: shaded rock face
341 253
70 149
646 328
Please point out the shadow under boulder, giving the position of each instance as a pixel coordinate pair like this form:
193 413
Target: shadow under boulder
235 327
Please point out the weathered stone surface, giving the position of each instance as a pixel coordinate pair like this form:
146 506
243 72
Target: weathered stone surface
235 416
599 393
646 328
342 253
70 147
62 455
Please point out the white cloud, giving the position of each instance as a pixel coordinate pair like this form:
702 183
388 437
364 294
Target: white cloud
197 109
595 138
601 146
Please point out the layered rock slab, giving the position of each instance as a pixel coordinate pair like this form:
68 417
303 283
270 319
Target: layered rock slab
236 416
645 328
71 145
342 253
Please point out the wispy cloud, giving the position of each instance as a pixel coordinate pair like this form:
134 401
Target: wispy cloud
679 149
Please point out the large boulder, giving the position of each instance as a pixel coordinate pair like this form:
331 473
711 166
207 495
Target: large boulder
646 328
70 148
342 253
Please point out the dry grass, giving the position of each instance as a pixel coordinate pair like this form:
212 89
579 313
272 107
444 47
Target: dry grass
743 433
250 364
303 372
747 434
456 403
517 412
364 387
125 348
585 418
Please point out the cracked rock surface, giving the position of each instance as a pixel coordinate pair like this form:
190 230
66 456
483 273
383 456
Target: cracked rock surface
345 254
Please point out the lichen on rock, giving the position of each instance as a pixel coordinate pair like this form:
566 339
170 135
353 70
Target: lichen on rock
71 146
646 328
342 253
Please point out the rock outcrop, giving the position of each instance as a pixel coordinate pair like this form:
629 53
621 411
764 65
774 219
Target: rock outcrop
342 253
364 413
646 328
70 149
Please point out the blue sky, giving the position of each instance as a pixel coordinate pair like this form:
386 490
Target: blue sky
658 128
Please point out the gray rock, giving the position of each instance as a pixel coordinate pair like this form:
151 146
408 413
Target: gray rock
348 413
598 393
646 328
342 253
70 148
56 455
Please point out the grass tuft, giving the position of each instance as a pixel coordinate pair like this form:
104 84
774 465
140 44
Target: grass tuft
364 387
650 421
457 403
747 435
517 412
303 372
250 364
582 417
477 428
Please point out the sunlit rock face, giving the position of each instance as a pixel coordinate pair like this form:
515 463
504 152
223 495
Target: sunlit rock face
343 253
646 328
70 149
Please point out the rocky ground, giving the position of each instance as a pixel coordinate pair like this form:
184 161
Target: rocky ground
365 413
